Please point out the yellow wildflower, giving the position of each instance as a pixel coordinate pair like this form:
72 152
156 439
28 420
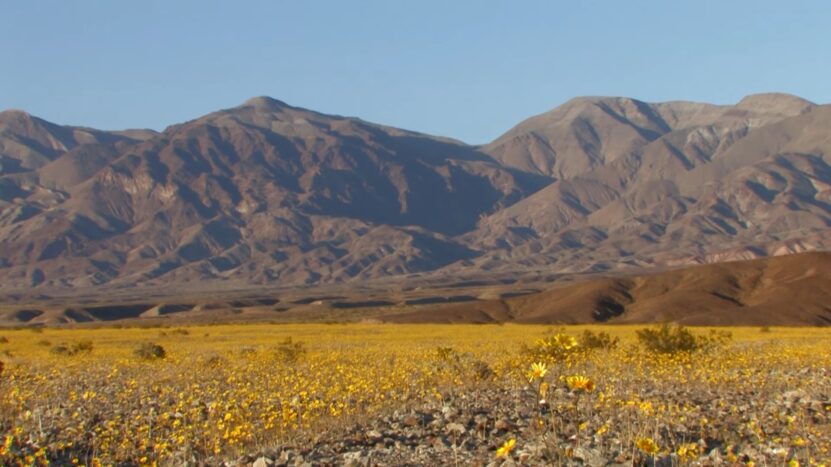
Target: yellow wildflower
688 451
538 370
506 448
580 383
648 446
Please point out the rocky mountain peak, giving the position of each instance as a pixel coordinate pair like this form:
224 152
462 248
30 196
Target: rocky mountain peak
775 103
265 103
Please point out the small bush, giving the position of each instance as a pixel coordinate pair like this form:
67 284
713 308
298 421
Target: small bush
598 340
555 348
61 349
669 338
150 351
180 332
290 351
214 361
44 343
463 364
765 329
715 339
84 346
3 340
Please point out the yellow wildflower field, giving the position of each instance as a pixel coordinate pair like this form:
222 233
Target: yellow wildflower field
321 393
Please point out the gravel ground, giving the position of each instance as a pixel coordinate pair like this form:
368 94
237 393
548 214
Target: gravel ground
468 429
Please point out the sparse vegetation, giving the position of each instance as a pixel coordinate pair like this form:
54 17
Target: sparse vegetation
83 346
463 364
592 340
553 348
150 351
467 393
290 351
670 339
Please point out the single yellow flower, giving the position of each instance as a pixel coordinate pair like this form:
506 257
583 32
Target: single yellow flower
648 446
506 448
688 451
538 370
580 383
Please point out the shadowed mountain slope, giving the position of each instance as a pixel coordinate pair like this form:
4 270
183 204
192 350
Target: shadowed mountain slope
256 193
266 193
788 290
665 184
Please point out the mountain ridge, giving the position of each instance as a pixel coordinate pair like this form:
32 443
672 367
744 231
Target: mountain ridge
265 192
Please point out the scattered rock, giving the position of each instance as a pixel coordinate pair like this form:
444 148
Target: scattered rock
503 425
263 462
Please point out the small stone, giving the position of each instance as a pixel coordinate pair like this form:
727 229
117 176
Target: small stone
503 425
457 428
449 412
262 462
353 459
410 420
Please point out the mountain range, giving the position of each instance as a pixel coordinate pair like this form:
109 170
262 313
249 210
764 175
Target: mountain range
274 195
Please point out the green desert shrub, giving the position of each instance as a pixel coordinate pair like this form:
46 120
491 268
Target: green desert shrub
150 351
60 349
465 365
84 346
554 348
669 338
590 340
290 351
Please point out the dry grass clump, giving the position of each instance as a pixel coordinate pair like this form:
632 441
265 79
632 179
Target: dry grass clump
464 366
150 351
290 351
83 346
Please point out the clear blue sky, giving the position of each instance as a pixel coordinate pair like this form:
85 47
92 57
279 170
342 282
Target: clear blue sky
466 69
